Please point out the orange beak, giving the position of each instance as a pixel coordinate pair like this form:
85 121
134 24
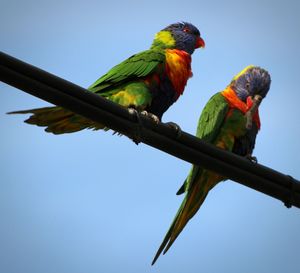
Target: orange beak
200 42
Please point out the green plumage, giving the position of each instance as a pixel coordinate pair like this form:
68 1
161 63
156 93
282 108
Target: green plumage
137 66
213 127
223 124
209 123
123 84
211 118
144 81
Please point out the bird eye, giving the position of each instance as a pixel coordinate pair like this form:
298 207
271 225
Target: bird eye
187 30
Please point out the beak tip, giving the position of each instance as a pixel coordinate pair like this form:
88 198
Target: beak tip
200 43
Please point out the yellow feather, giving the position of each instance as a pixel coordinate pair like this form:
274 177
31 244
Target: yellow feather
242 72
165 37
124 98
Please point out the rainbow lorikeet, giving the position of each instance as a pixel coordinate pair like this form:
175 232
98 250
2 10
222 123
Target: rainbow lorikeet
149 81
225 123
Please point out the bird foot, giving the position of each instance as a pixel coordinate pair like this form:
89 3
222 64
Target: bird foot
250 113
176 127
137 135
253 159
151 116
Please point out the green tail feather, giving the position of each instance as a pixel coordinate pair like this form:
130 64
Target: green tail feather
58 120
194 198
166 240
182 188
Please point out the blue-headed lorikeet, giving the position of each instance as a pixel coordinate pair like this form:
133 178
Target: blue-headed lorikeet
151 80
224 122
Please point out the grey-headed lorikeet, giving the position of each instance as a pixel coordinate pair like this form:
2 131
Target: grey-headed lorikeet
223 123
151 80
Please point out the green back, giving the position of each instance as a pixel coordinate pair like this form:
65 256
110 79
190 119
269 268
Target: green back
135 67
212 118
209 124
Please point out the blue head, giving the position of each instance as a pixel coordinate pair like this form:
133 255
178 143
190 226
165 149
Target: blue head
182 36
251 81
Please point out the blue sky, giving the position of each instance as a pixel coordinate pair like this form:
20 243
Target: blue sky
93 202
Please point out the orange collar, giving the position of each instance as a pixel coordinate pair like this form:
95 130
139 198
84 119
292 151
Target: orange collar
234 102
178 68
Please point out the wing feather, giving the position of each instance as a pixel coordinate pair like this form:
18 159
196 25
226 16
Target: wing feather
212 117
209 124
137 66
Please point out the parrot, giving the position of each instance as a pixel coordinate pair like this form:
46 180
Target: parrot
148 82
225 123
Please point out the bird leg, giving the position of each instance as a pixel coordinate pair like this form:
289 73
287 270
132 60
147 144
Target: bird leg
250 113
176 127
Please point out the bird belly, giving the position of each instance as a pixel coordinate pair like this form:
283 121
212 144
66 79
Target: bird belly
163 96
233 128
135 95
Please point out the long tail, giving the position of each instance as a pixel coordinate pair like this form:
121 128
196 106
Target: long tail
58 120
194 198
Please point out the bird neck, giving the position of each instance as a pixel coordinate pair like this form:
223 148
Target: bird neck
178 69
163 40
236 103
233 99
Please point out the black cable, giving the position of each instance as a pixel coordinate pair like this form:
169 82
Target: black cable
187 147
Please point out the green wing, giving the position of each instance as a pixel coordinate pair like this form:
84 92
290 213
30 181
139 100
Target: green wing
210 122
209 125
208 128
137 66
212 118
123 77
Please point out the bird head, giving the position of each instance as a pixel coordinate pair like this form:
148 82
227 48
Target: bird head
182 36
250 82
